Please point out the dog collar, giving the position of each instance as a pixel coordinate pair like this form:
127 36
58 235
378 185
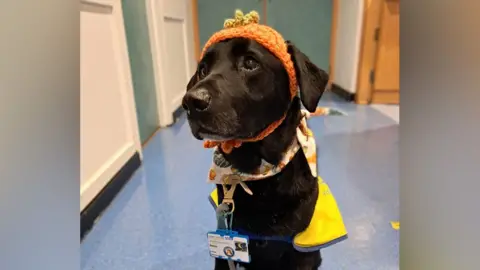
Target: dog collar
222 172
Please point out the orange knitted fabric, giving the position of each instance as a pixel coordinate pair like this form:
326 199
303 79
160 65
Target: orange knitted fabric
268 38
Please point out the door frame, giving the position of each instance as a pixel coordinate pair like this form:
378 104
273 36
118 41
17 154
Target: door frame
333 41
368 50
155 26
154 12
333 35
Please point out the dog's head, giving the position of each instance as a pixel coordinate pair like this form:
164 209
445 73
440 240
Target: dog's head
240 88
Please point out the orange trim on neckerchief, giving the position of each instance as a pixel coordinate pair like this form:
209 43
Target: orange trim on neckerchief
228 146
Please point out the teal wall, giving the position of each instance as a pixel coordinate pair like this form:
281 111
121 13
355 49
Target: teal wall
212 14
307 23
141 64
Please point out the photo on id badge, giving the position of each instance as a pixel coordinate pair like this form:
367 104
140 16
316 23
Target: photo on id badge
240 246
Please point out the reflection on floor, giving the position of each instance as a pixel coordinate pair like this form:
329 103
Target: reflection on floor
392 111
160 218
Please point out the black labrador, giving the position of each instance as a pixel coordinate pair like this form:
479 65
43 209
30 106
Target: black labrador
239 89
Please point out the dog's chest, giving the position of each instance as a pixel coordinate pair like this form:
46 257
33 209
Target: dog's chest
274 208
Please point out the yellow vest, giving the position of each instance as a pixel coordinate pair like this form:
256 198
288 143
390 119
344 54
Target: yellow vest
326 226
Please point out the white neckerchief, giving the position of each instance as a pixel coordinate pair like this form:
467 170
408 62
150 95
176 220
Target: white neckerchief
223 173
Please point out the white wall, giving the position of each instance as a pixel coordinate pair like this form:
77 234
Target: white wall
108 122
347 45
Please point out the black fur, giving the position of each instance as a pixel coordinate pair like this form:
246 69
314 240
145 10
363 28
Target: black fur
247 89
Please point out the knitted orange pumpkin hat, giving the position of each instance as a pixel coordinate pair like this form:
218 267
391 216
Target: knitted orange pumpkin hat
247 26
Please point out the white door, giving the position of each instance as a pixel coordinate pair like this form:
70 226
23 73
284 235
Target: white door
171 36
108 125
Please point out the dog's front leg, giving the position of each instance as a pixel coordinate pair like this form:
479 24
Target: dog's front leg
221 264
307 260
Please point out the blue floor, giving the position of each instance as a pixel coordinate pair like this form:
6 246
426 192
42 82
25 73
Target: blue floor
160 218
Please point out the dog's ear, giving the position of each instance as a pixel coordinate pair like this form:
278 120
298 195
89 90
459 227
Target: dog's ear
312 80
193 80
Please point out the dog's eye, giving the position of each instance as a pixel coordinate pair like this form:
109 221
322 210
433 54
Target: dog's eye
202 71
249 63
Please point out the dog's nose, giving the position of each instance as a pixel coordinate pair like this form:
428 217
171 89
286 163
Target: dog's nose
197 100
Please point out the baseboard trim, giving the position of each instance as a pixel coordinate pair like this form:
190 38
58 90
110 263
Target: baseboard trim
105 197
178 112
176 115
341 92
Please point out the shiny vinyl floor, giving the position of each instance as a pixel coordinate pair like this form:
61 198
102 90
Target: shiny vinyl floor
160 218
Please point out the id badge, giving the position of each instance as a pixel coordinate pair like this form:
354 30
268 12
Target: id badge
228 245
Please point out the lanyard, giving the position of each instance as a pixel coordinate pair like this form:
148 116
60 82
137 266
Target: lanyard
225 214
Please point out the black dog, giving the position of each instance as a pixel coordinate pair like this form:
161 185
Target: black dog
238 90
